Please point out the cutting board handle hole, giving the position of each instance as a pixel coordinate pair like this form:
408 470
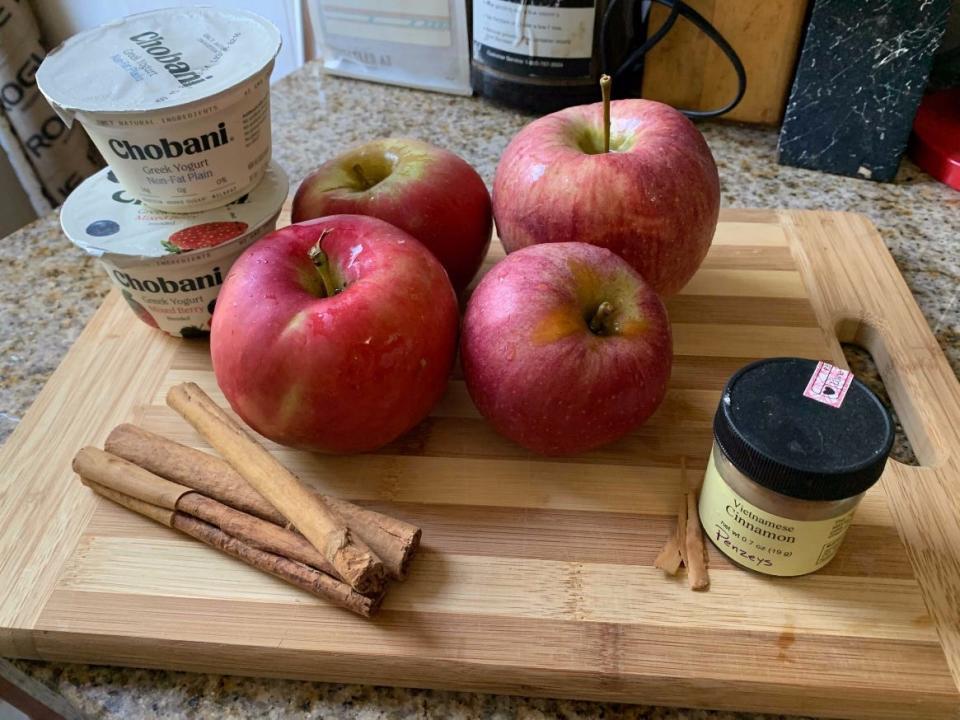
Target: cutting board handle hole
865 368
873 360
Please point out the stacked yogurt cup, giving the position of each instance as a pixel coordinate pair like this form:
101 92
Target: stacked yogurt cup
178 103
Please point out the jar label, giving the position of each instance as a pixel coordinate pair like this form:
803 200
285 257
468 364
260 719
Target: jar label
762 541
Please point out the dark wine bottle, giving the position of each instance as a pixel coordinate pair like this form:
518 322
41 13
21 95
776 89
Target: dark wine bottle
543 55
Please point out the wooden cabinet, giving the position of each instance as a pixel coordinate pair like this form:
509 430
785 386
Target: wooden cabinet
688 71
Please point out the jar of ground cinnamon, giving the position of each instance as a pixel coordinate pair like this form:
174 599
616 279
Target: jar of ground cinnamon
797 443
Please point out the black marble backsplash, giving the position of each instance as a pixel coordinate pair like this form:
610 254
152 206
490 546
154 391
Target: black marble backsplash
861 74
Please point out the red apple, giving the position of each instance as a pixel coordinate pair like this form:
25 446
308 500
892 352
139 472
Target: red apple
431 193
336 334
565 348
653 199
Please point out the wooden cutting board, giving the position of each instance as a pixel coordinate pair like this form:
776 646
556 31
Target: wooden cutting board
536 575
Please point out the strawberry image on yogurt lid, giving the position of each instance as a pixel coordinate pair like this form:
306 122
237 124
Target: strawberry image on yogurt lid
204 235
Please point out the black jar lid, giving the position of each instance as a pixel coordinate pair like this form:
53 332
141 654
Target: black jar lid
798 446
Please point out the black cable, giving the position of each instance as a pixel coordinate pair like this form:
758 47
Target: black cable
677 8
637 54
604 49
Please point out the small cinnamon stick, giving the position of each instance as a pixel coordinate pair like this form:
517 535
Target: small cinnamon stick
681 533
394 541
686 545
695 557
669 558
354 561
694 552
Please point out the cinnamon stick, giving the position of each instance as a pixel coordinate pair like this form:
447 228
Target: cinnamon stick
669 558
124 477
138 485
354 561
686 545
394 541
201 471
255 532
695 554
681 533
254 552
154 512
306 578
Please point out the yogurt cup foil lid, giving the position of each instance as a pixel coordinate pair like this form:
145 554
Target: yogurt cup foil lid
103 219
158 59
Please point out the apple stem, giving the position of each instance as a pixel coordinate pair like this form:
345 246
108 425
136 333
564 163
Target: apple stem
597 322
605 84
322 263
358 171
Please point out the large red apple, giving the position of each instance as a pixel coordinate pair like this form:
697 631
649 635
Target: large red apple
431 193
653 199
565 347
336 334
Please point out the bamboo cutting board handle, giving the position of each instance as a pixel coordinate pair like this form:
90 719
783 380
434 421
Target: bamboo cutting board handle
883 318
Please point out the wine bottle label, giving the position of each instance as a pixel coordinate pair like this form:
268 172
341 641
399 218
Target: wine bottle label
527 38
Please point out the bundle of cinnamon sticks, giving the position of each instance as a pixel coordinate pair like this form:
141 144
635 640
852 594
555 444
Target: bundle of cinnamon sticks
251 507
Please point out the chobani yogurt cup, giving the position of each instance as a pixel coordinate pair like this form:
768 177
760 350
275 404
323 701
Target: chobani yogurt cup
177 101
169 268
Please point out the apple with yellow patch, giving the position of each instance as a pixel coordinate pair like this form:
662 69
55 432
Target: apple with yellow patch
565 347
336 334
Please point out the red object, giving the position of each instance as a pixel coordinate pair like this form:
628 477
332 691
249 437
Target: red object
206 235
430 193
653 201
935 142
343 359
550 370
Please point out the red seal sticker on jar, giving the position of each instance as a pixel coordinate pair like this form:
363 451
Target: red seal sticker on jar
828 384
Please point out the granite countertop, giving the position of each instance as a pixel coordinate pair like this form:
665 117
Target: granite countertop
48 291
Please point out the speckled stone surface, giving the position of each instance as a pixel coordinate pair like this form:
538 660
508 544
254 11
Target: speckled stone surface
48 291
